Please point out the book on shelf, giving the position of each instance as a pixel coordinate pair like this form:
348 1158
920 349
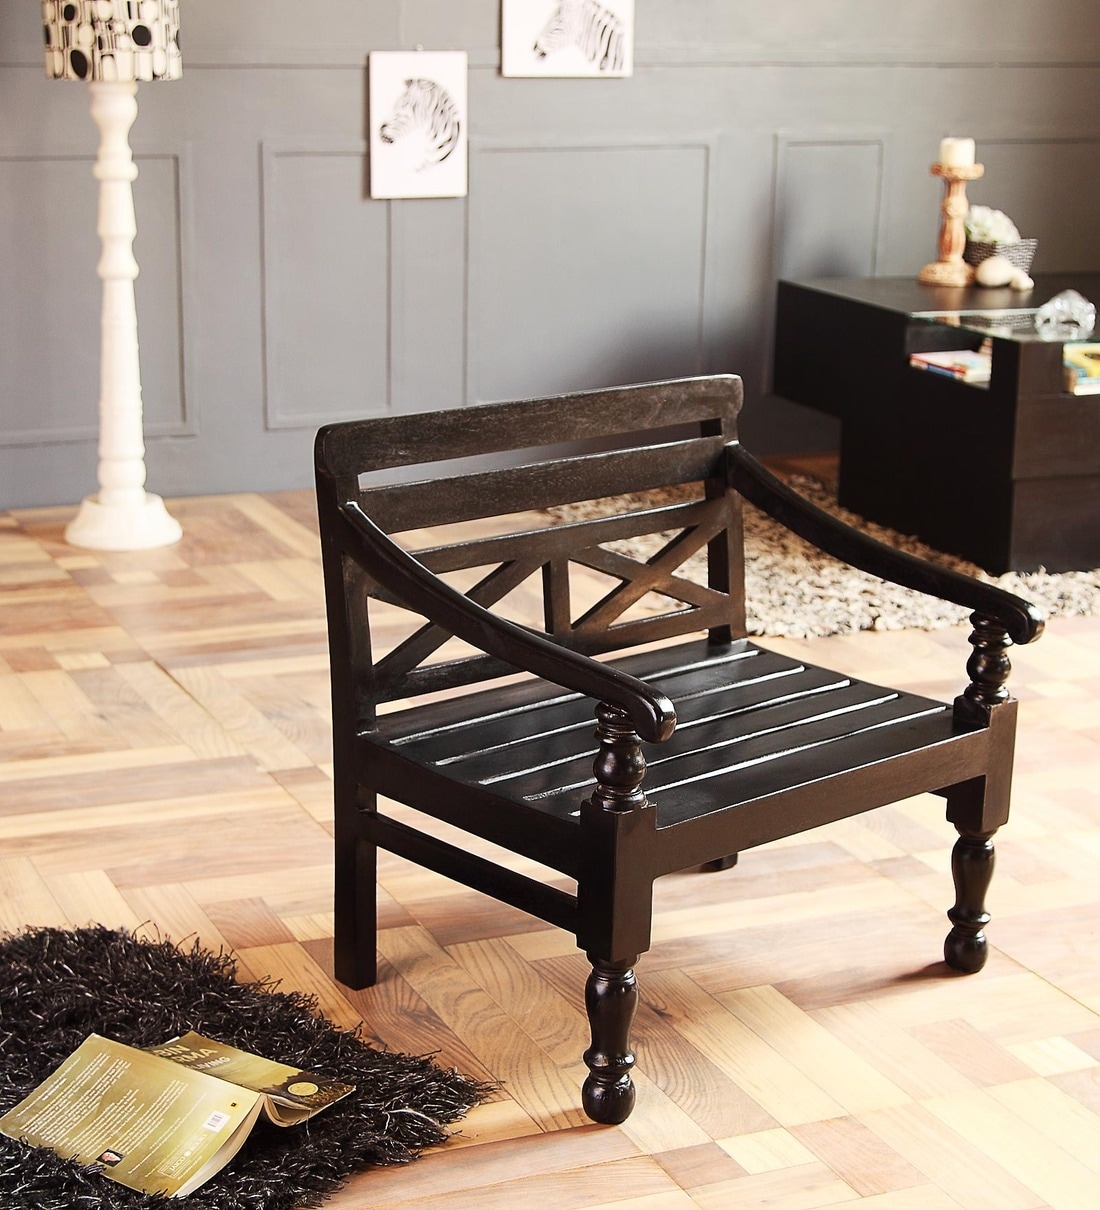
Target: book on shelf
967 365
163 1120
1081 363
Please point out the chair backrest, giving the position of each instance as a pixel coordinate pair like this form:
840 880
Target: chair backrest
428 471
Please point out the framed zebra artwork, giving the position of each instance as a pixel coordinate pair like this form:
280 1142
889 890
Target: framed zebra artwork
418 124
567 38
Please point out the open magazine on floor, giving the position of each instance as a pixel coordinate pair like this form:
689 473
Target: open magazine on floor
163 1120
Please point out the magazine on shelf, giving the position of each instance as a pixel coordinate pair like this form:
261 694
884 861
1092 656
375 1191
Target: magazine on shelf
968 365
163 1120
1081 360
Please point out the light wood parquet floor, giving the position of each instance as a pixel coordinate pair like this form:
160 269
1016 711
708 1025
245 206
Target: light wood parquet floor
164 765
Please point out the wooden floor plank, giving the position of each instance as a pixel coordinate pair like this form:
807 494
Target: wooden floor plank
1023 1150
90 897
802 1187
546 1091
638 1180
496 1163
953 1163
858 1156
766 1076
26 900
838 1069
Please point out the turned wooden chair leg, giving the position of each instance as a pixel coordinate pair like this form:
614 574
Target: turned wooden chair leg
719 863
972 868
617 823
611 998
978 808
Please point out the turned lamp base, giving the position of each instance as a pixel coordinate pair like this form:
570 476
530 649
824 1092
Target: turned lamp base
141 524
122 515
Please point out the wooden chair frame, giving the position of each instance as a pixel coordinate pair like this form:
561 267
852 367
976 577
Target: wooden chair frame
766 747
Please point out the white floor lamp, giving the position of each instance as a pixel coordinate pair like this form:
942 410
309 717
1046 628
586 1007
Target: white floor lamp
112 46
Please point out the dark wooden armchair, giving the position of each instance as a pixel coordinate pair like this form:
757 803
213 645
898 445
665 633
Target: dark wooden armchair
704 746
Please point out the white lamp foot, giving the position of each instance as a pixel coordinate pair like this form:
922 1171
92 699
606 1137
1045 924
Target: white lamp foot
140 525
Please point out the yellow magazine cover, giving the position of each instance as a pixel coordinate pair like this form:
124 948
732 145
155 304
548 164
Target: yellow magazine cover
163 1120
291 1095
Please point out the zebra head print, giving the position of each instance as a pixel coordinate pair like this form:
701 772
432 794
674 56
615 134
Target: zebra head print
425 108
596 31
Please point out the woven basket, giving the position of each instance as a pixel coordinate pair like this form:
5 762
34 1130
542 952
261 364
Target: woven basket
1020 253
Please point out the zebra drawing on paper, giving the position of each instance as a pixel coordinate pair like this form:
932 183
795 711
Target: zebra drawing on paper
424 109
595 30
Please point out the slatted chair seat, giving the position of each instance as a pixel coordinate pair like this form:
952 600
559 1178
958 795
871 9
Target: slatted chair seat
755 730
609 765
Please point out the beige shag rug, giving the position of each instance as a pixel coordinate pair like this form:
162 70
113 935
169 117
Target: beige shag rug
795 591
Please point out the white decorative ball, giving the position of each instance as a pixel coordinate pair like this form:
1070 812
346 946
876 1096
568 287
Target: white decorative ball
1021 281
994 271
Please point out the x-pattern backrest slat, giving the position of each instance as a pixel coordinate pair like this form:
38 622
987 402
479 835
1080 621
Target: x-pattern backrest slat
692 526
655 575
409 654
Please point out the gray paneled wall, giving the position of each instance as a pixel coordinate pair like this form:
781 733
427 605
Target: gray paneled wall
615 230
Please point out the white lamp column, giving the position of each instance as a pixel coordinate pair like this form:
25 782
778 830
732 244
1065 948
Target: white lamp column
112 46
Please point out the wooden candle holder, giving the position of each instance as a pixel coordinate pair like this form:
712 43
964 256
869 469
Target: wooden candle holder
951 269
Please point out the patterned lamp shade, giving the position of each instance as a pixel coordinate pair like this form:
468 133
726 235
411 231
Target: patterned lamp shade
112 39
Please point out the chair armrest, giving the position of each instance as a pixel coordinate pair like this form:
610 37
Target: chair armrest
1022 620
651 712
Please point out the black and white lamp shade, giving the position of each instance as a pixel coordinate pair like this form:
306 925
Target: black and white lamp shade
112 39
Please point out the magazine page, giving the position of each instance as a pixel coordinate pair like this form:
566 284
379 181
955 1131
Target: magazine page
144 1123
292 1094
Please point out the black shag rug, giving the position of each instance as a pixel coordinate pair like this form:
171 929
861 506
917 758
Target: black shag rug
58 986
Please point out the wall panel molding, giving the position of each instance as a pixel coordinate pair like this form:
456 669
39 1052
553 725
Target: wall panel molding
574 223
53 339
327 283
828 199
827 202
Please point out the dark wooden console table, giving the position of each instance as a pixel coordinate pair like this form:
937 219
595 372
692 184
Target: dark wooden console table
1006 474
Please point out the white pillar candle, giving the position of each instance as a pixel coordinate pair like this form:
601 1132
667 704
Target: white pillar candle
957 153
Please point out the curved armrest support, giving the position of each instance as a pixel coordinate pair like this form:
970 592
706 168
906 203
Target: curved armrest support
650 711
1022 620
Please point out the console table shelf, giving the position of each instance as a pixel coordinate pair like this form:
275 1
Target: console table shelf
1005 473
